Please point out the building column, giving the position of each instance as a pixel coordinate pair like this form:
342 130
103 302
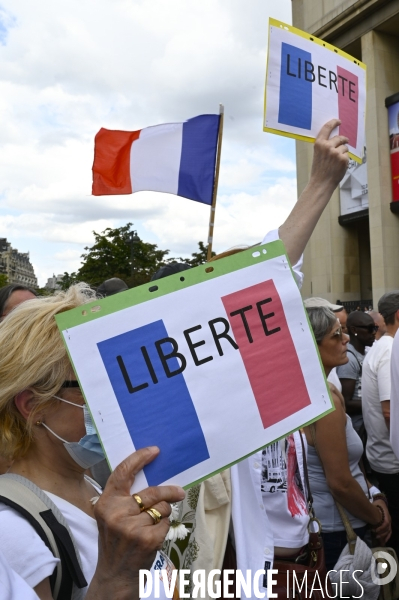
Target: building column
380 52
331 260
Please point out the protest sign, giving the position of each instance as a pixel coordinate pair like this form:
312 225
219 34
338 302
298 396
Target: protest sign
210 365
309 82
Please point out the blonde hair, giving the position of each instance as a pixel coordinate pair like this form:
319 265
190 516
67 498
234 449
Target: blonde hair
33 356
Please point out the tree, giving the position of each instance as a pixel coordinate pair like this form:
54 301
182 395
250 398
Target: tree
68 279
3 280
199 258
115 255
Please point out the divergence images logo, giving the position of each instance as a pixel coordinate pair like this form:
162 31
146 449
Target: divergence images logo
384 569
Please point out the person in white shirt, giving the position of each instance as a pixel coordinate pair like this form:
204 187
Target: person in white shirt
376 401
45 427
379 322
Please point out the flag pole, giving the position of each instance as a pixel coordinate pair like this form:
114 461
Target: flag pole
215 186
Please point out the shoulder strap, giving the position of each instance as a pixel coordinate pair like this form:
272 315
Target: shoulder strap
350 534
312 516
358 361
36 507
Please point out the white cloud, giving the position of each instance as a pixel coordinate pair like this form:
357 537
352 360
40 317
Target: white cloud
68 68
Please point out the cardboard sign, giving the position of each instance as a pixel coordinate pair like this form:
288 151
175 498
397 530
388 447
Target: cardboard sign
210 365
309 82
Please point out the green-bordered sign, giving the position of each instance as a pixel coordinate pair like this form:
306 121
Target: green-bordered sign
210 365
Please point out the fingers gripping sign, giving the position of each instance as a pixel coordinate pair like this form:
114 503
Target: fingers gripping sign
128 536
331 156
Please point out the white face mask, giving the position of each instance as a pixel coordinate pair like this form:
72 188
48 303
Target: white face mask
88 451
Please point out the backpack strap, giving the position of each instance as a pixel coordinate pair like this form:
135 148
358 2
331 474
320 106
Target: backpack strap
35 506
357 360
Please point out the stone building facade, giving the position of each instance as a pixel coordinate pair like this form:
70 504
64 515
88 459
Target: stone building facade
352 256
16 265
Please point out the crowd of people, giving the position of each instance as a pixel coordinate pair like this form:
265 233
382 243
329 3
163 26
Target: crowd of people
240 518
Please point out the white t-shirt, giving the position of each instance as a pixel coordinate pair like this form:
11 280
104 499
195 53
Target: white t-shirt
12 586
333 378
27 554
376 387
394 433
283 492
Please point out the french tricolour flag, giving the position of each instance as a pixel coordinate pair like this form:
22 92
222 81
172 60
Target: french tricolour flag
178 158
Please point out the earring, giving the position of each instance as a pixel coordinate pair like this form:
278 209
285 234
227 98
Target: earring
39 423
355 333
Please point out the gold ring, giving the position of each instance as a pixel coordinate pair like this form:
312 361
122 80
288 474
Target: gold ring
139 502
154 514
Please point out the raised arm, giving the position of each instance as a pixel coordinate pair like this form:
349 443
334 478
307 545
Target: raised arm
330 161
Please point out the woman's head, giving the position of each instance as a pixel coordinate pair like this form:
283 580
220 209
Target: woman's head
329 337
33 356
12 295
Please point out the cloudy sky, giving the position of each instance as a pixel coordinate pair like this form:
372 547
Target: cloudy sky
69 68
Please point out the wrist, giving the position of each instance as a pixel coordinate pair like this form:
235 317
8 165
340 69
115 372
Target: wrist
322 186
382 497
117 588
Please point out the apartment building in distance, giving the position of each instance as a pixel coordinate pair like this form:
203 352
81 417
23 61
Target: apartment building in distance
353 253
16 265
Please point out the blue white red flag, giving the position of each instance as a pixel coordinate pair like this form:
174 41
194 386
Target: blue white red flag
310 82
177 158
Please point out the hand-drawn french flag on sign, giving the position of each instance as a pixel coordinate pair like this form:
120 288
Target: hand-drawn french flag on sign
143 361
178 158
296 91
310 82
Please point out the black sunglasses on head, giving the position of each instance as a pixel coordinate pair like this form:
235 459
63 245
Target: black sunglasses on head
370 328
69 383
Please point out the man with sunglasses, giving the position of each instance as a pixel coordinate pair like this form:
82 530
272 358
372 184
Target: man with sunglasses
376 401
361 330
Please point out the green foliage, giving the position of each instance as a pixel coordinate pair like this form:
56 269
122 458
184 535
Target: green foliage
3 280
68 279
115 255
119 253
199 258
43 291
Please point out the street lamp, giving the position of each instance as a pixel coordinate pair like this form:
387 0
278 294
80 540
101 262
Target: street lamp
133 239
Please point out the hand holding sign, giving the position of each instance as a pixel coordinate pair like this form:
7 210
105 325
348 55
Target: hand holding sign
128 538
331 157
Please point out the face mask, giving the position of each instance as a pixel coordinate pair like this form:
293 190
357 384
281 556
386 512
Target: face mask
88 451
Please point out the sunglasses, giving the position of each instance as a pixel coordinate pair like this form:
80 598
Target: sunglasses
370 328
69 383
337 334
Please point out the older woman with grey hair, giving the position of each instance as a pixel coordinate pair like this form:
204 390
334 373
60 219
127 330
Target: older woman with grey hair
333 465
